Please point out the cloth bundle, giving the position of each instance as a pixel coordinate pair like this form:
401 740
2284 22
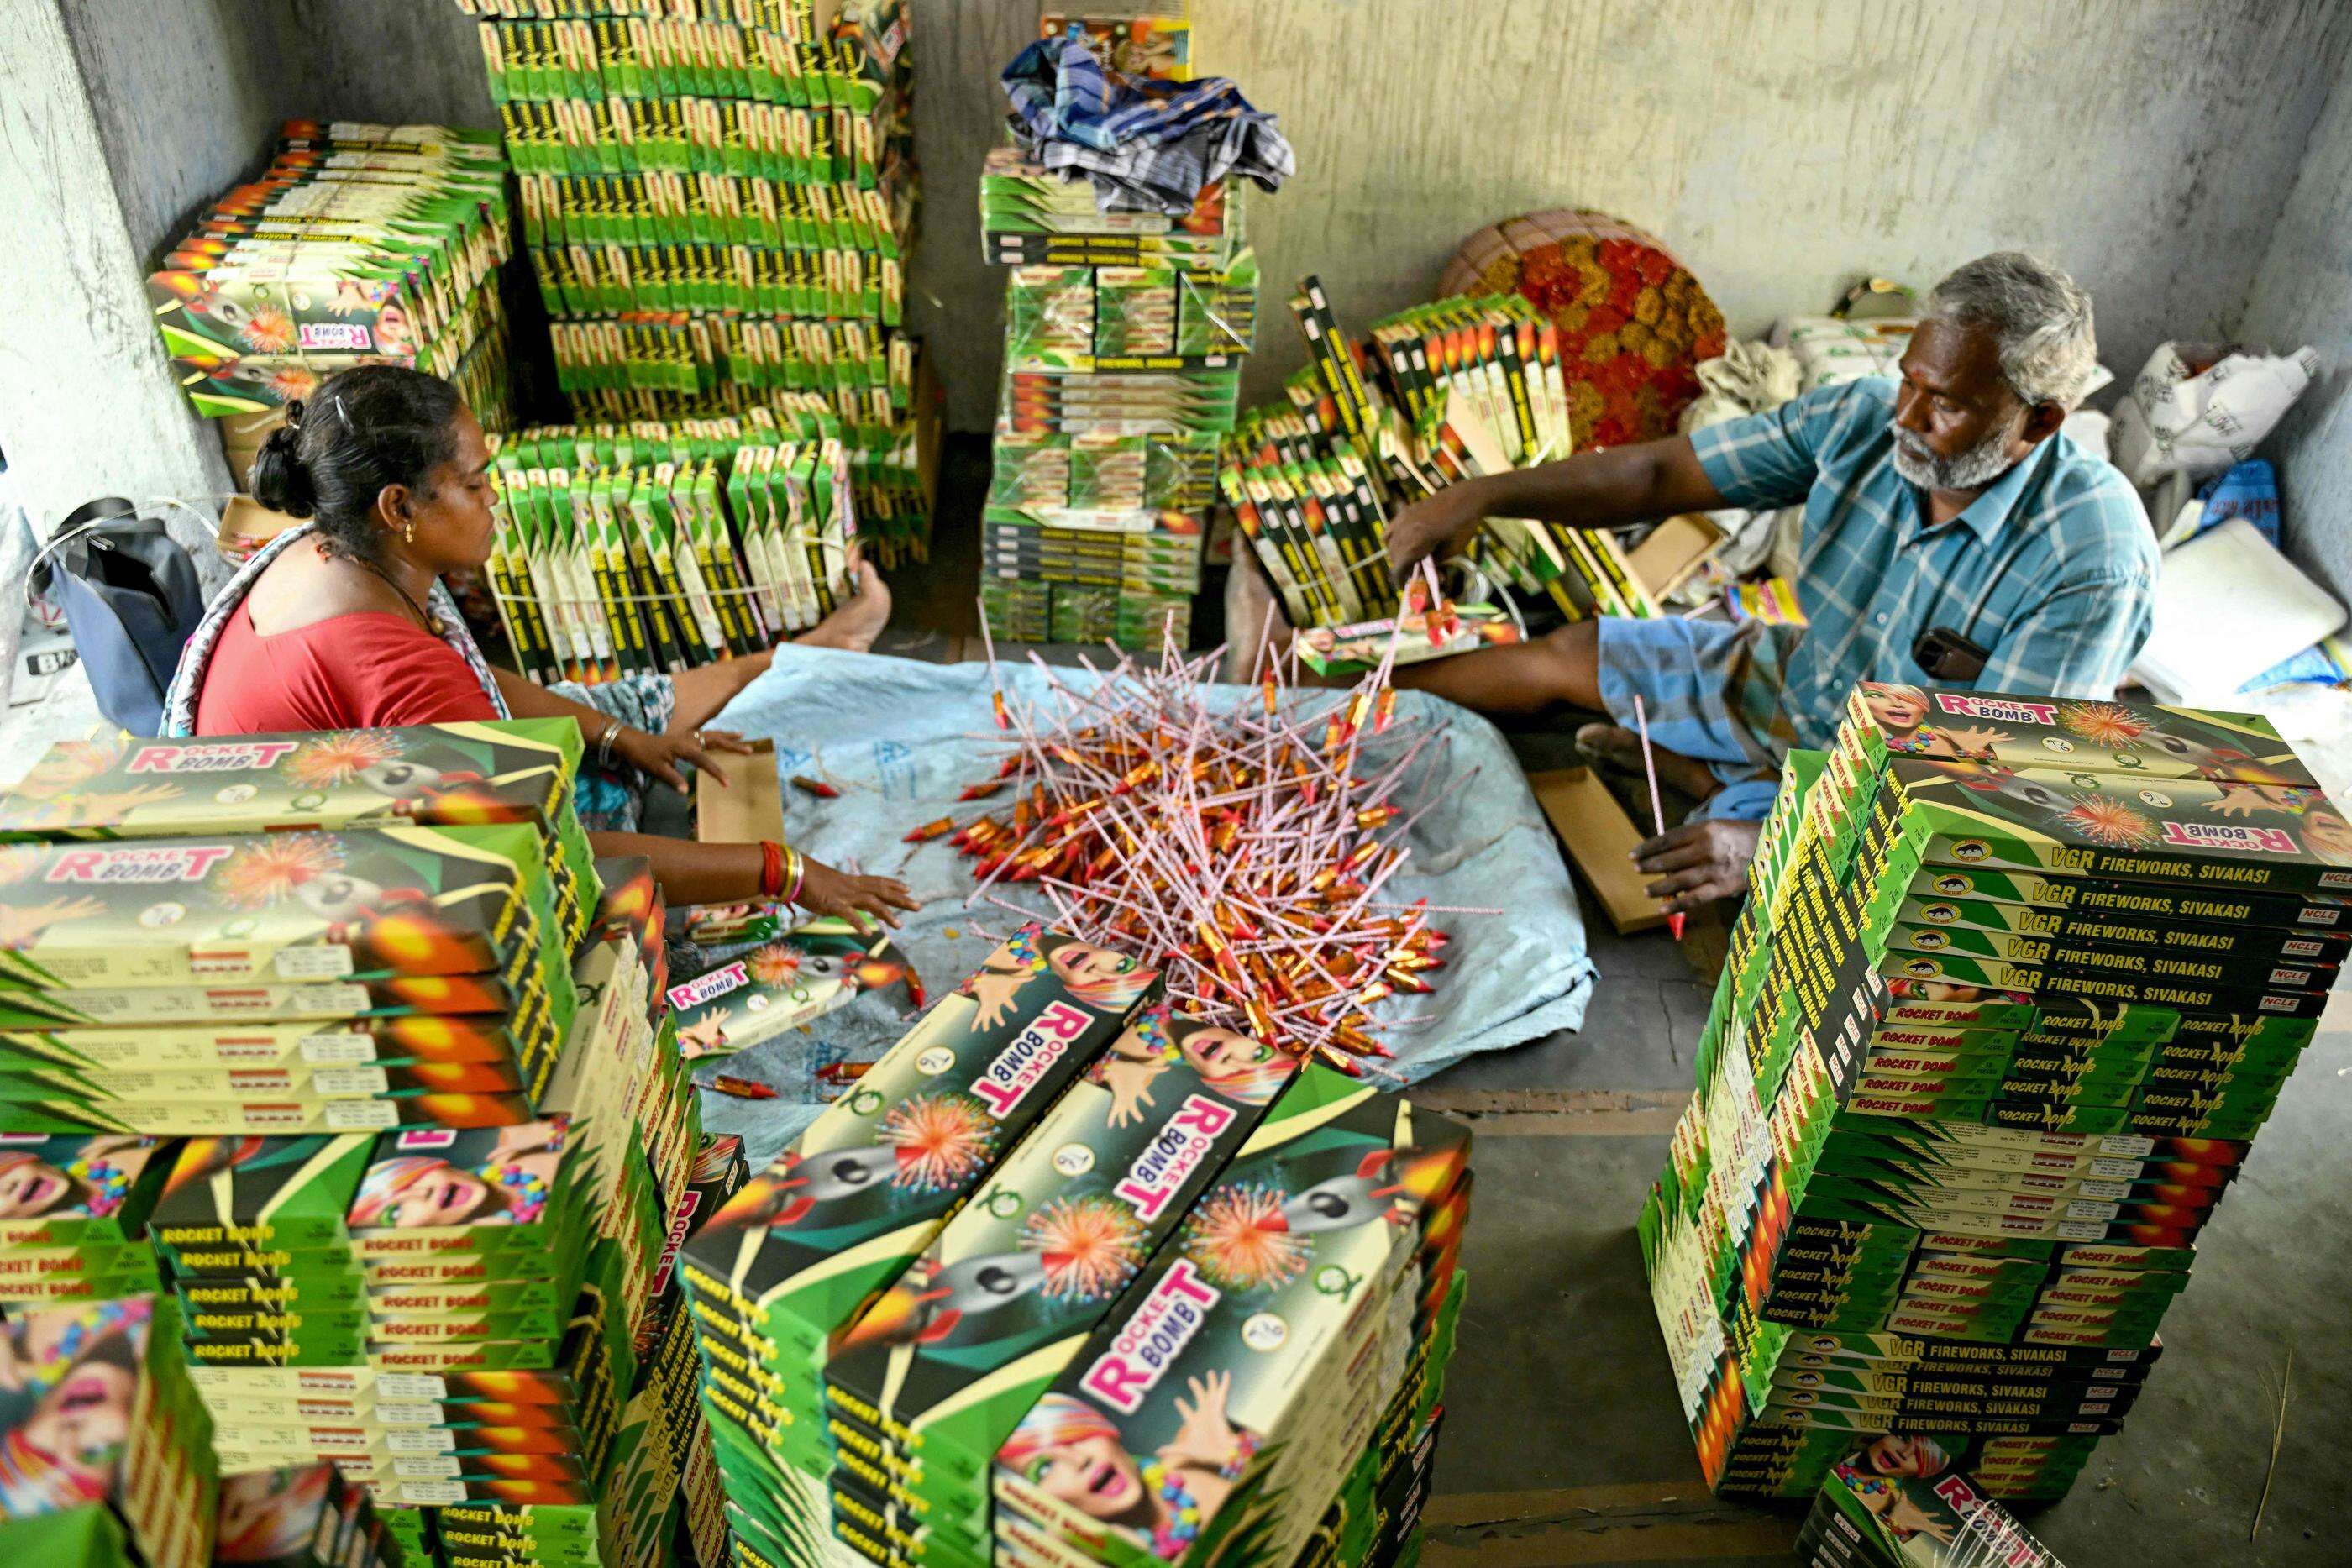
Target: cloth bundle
1147 146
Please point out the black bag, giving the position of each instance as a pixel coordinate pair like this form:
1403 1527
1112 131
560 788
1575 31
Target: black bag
130 599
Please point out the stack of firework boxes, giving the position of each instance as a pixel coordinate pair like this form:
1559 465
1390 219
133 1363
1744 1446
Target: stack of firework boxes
1123 341
306 1516
1445 392
359 244
718 202
1898 1504
104 1456
652 549
2019 980
1058 1214
437 1124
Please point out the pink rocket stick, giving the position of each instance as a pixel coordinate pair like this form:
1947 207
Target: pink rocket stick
1658 810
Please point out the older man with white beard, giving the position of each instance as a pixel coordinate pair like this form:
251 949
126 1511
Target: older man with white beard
1953 536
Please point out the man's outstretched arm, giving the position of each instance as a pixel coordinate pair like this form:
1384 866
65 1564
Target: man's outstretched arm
1636 484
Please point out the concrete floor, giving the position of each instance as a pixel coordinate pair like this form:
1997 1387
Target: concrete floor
1563 1443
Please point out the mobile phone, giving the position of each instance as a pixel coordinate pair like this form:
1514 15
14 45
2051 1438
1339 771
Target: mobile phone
1946 655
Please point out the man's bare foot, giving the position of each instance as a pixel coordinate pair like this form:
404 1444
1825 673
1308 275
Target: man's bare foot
856 624
1620 748
705 689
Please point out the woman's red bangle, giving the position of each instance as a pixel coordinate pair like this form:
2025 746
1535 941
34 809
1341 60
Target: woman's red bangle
771 868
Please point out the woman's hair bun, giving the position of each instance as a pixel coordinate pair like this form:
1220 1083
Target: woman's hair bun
279 480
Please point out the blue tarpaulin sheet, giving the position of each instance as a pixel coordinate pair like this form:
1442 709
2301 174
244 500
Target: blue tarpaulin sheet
900 739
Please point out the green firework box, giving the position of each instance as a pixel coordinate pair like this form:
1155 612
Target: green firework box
2179 831
259 1194
2079 1027
943 1364
485 1535
287 906
2190 982
803 975
299 1516
1403 1393
2135 900
793 1256
78 1206
452 775
2029 935
1237 1341
113 1367
260 1083
517 1193
87 1535
413 1041
335 1001
77 1191
1896 1505
1030 216
2104 738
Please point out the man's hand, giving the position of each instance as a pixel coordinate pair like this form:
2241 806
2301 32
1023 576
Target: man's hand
1433 525
1698 863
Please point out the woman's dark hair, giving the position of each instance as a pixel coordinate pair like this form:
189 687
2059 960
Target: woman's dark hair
365 428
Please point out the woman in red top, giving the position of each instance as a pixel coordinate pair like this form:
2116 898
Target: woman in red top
343 624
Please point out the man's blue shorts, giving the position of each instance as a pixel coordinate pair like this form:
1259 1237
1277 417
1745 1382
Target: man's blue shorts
1711 691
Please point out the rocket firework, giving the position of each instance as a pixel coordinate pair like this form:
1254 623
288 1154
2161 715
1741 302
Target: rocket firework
1245 847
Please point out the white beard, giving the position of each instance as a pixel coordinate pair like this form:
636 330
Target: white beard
1972 470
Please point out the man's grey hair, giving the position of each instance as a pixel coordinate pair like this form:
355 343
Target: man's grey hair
2039 317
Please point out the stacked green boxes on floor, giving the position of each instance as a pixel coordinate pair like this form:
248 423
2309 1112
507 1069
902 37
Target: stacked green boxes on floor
839 1216
327 933
108 1453
2018 981
359 244
896 1379
650 549
1267 1390
719 207
1898 1503
928 1382
1124 333
441 1140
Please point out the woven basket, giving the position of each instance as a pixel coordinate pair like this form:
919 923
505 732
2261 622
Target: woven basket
1633 322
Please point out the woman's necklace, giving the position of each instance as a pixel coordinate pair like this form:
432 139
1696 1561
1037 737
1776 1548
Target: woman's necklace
1179 1511
415 609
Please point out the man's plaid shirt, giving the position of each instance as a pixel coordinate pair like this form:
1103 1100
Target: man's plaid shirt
2052 567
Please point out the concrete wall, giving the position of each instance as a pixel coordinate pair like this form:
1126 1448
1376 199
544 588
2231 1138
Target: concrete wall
1781 147
115 122
2304 295
409 62
187 97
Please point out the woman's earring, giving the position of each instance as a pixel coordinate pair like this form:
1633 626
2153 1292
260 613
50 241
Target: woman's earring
408 532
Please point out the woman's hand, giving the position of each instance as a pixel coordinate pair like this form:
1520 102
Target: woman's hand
1204 1438
995 990
659 754
1908 1518
1129 1082
824 891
